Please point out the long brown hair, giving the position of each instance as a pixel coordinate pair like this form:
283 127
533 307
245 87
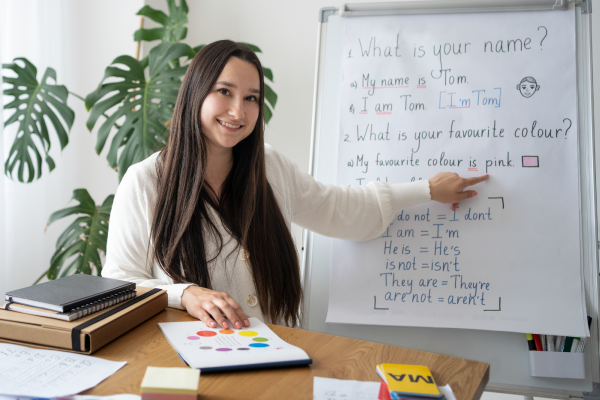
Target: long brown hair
181 225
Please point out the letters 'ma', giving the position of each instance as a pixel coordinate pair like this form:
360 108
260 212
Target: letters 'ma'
399 378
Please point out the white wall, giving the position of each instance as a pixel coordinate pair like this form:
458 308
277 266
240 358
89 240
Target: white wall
78 39
596 77
3 286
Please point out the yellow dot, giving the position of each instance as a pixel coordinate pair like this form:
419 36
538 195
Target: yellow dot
248 333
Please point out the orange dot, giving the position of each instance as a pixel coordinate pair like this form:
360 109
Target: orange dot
226 331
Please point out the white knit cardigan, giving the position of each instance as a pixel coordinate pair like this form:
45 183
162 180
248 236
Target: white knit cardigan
353 213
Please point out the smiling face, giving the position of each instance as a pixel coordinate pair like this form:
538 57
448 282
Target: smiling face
230 111
527 89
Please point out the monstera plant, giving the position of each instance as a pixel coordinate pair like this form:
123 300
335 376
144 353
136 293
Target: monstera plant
134 102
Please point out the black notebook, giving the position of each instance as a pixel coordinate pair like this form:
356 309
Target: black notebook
68 293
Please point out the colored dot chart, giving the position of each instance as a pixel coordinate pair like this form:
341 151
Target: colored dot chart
216 348
228 340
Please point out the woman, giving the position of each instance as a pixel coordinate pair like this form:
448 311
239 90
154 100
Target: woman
208 218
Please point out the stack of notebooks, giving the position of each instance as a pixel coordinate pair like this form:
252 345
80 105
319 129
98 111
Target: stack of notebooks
411 382
80 312
69 298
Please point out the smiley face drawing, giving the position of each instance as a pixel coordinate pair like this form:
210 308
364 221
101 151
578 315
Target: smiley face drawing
528 86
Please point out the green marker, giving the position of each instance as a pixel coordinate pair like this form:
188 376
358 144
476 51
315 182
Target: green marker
568 344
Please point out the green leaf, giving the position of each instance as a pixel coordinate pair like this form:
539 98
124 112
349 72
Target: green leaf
270 95
268 113
173 29
146 105
149 35
34 104
154 15
268 74
78 247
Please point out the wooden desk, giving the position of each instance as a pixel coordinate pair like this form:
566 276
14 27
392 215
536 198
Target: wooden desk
333 357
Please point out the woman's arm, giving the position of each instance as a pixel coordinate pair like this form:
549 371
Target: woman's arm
353 212
128 256
448 187
359 212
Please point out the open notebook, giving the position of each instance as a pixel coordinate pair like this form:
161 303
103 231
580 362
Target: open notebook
211 349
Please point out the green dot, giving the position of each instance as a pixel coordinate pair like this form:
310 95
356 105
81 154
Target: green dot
260 339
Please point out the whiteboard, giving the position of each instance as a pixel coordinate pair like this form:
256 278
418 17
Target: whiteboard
423 94
506 352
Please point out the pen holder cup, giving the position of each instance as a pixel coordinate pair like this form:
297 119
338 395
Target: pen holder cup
550 364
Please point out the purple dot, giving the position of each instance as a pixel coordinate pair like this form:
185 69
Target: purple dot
223 349
193 337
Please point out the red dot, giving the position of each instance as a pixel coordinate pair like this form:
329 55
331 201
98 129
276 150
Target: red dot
207 333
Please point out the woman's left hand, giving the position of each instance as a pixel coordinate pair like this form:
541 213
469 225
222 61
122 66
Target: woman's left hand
448 187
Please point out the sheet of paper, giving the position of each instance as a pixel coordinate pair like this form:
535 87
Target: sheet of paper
78 397
113 397
447 391
343 389
204 347
334 389
470 93
47 373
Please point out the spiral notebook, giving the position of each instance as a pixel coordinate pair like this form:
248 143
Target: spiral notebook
73 314
69 293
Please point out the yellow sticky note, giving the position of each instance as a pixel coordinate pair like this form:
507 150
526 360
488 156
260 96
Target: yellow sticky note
182 381
415 380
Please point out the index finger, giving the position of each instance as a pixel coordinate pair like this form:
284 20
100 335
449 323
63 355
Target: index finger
240 313
235 313
475 180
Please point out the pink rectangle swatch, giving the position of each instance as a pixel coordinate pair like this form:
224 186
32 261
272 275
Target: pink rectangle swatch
531 161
